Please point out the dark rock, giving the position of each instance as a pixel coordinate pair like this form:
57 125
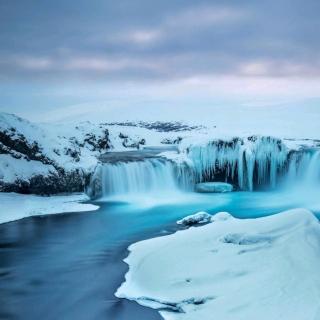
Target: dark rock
61 182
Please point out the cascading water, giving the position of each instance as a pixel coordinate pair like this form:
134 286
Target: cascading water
149 177
247 163
304 169
313 172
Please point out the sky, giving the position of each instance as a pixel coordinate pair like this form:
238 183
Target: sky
61 59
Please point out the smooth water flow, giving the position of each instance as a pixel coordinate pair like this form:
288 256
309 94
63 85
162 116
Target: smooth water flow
313 172
256 164
304 170
148 177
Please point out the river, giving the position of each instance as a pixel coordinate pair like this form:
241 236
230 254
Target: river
68 266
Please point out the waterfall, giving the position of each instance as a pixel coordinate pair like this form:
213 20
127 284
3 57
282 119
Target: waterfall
153 177
304 169
313 171
257 160
249 164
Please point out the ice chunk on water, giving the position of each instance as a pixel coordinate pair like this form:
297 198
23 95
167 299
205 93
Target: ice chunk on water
214 187
197 218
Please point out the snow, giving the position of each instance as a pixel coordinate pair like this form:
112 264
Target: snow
15 206
12 169
265 268
197 218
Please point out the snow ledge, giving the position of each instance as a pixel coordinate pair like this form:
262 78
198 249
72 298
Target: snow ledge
14 206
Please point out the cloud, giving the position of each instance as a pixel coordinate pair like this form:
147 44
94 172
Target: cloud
144 36
207 47
113 41
206 16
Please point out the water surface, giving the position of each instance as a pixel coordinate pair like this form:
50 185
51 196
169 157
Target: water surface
69 266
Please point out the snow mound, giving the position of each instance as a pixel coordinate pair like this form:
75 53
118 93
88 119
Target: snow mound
197 218
264 269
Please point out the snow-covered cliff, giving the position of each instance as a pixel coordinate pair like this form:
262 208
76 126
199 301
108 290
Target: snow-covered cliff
54 158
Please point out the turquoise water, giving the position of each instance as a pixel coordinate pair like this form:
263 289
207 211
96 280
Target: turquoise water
69 266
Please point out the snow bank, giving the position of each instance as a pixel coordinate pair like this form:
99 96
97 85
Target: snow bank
15 206
264 269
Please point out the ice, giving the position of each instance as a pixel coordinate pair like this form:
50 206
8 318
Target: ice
213 187
239 158
197 218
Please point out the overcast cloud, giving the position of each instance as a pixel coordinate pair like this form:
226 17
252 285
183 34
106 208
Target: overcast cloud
167 42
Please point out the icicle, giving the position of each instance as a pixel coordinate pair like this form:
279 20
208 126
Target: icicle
262 155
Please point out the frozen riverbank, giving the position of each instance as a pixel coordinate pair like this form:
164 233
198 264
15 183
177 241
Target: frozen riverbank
262 268
15 206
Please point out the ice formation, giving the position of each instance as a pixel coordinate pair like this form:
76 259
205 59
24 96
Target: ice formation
213 187
239 160
255 161
197 218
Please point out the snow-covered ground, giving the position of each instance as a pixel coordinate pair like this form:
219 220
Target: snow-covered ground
264 269
15 206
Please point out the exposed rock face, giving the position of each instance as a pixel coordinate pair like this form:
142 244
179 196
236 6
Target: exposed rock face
94 184
171 141
18 147
160 126
73 181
